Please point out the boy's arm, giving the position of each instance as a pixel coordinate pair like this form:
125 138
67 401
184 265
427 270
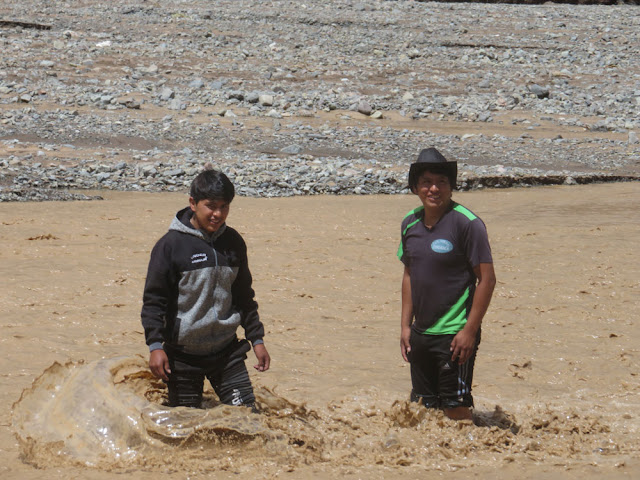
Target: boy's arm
464 342
244 299
406 315
155 298
155 302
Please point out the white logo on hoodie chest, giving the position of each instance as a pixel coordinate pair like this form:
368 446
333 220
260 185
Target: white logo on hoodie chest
199 257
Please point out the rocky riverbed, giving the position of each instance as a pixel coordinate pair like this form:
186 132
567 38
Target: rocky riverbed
295 98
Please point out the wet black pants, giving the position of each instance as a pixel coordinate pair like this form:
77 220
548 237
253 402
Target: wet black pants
226 372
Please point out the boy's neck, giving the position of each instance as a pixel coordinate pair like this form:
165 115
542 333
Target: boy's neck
432 215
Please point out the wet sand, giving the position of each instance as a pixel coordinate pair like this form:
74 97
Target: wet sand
557 379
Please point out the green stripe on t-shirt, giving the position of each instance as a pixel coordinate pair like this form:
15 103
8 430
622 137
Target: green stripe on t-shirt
453 321
467 213
412 212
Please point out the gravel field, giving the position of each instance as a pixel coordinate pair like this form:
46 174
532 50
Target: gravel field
294 98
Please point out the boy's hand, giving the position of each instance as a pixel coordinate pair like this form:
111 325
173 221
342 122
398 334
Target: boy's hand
405 345
263 357
462 346
159 364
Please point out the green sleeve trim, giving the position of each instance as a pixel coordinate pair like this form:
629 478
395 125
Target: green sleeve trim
453 321
466 212
414 211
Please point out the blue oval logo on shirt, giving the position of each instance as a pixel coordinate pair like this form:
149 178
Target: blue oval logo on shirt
441 246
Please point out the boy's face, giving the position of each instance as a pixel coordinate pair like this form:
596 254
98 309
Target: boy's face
209 214
434 190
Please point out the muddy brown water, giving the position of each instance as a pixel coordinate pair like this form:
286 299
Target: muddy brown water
556 385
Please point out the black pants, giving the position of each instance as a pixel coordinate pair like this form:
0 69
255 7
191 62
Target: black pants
438 381
225 371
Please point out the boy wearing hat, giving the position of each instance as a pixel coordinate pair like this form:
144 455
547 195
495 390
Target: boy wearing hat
197 293
447 286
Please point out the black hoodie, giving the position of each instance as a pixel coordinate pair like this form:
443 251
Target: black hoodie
198 290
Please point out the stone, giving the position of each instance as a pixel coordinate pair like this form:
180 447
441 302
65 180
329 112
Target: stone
538 91
292 150
167 94
364 107
196 83
266 100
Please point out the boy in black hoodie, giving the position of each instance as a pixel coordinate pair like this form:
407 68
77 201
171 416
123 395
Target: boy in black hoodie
197 292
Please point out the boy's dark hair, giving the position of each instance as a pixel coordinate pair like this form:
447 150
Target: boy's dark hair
431 160
212 185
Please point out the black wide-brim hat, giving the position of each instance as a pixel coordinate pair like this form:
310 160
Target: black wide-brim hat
432 160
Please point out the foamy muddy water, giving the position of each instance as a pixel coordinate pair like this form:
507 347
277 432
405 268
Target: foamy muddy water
109 414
